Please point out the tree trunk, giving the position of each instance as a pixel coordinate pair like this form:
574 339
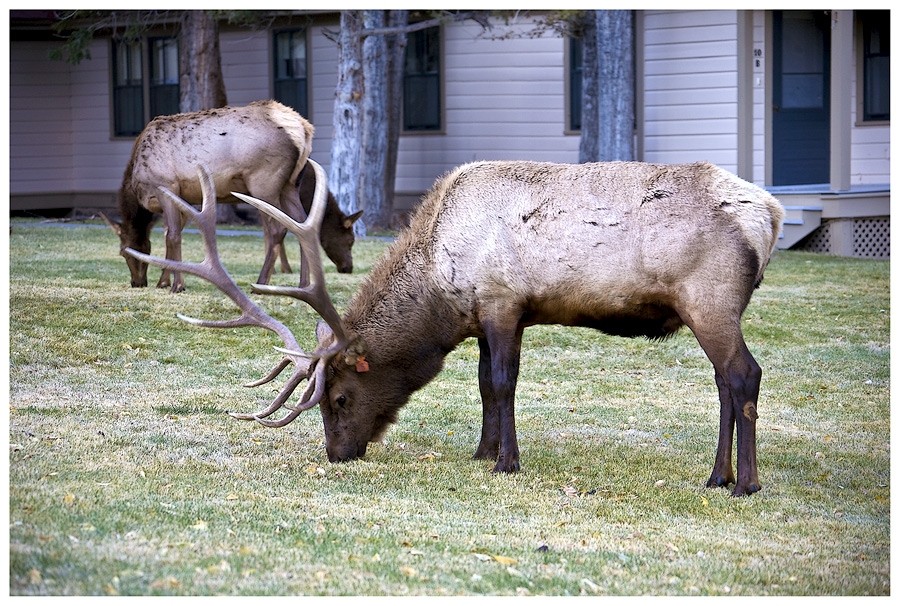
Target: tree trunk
589 146
345 144
615 53
375 121
396 59
199 63
200 81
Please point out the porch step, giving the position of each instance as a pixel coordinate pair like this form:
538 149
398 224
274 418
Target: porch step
799 222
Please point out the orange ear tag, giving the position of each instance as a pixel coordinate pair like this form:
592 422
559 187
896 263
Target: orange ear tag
361 364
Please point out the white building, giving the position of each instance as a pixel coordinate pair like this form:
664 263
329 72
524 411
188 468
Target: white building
795 101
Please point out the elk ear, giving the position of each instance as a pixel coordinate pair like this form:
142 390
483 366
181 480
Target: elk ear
355 355
324 334
116 227
349 220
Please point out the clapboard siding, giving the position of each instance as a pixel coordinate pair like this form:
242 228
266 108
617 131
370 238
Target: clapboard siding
40 120
502 99
690 67
245 57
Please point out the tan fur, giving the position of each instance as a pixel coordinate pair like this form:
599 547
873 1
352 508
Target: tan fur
632 249
258 149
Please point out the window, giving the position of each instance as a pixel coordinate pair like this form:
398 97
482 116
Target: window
136 99
576 56
876 65
422 81
291 70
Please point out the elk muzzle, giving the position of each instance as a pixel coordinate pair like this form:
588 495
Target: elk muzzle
348 451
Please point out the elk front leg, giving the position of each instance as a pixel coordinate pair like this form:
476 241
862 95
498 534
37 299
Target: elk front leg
504 340
737 377
722 473
489 446
174 222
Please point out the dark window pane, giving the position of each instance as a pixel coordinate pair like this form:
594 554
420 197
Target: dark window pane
290 78
422 81
128 92
163 85
876 65
576 47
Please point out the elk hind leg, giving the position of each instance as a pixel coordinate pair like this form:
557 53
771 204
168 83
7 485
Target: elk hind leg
174 222
273 235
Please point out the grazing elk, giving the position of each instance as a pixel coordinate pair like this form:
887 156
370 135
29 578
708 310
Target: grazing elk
627 248
337 228
258 149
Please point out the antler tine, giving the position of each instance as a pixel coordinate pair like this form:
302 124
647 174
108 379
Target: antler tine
313 290
212 270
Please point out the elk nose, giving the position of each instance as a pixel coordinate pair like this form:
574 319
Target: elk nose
347 452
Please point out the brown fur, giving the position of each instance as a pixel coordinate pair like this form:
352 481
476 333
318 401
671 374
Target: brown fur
337 228
628 248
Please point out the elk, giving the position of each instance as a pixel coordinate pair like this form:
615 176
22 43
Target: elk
631 249
337 228
259 149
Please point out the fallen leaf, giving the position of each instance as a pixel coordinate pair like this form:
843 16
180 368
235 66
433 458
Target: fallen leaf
166 583
408 571
504 560
231 497
69 499
34 576
483 557
199 525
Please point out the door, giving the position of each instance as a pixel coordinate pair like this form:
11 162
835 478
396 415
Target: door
800 120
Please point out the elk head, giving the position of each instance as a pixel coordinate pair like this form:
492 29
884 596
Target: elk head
339 361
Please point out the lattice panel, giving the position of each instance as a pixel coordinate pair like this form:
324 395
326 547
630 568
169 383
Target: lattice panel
818 241
872 238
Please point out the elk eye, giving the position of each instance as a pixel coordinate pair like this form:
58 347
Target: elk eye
341 400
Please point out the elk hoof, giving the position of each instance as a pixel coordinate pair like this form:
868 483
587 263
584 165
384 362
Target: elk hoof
743 491
717 480
507 465
486 453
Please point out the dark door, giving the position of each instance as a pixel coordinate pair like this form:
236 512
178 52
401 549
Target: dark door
800 123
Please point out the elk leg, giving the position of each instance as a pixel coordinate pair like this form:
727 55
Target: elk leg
738 378
489 446
722 474
505 345
273 234
174 221
282 256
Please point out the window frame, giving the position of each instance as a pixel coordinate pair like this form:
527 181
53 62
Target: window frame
149 107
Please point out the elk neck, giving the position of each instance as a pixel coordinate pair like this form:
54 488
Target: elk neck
403 318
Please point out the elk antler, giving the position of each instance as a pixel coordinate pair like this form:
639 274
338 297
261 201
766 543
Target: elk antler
311 290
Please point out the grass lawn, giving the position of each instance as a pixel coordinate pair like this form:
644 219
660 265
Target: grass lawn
127 477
